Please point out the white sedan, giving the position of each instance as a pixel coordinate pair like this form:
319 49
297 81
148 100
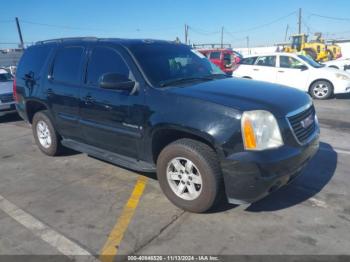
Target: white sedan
296 71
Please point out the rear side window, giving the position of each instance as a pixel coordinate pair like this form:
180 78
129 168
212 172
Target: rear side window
67 63
248 61
33 60
214 55
105 60
267 61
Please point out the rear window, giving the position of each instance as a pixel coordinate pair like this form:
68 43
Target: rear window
214 55
67 63
5 77
248 60
33 60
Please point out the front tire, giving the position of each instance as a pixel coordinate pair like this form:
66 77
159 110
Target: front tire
189 174
45 135
321 89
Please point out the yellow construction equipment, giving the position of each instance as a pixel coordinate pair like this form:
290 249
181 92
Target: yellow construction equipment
316 49
334 51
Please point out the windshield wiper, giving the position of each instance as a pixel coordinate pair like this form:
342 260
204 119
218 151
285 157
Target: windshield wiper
183 80
218 76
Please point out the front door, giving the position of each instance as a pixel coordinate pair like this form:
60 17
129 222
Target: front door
110 119
292 72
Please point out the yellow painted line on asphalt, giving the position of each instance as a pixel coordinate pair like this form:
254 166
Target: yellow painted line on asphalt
110 249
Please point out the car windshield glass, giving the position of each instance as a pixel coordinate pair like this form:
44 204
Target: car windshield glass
5 77
169 64
310 61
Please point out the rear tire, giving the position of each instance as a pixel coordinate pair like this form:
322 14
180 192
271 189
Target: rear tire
45 135
189 174
321 89
330 56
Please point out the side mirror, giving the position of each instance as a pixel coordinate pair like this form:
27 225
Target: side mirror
116 81
303 68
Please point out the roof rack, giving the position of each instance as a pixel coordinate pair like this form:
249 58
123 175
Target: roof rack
66 39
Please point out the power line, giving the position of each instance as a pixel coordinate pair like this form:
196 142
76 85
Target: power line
267 24
61 26
329 17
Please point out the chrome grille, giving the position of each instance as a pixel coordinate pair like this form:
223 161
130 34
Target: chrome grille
303 133
6 98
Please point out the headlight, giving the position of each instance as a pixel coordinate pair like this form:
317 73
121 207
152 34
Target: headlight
260 130
342 77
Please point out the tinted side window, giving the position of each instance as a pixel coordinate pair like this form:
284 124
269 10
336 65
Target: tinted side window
33 60
267 61
215 55
105 60
290 62
67 63
248 61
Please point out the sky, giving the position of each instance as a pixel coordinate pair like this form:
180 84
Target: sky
264 21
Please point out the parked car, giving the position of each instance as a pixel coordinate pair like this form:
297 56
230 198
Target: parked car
224 58
7 103
296 71
342 64
158 106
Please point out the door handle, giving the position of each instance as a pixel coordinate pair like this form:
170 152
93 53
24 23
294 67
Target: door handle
255 69
49 92
88 99
280 71
107 107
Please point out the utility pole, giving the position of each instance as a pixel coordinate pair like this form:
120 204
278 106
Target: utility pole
299 21
248 45
186 34
19 33
222 37
286 35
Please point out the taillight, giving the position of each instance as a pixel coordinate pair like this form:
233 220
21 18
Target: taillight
15 97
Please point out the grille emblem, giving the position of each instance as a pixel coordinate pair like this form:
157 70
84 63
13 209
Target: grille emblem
307 121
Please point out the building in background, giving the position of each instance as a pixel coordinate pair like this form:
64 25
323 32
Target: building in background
10 57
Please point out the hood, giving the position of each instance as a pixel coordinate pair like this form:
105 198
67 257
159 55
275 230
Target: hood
244 95
330 71
6 87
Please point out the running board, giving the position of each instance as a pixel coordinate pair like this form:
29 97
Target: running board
108 156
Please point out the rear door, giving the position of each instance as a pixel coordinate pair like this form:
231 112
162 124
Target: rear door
245 67
265 69
110 119
215 57
63 86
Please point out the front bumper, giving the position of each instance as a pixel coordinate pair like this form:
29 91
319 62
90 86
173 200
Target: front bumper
250 176
341 86
7 108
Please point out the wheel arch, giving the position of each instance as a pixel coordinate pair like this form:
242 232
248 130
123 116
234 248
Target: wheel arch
163 136
320 79
33 106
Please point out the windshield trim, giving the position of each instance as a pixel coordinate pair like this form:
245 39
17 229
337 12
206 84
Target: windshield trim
310 62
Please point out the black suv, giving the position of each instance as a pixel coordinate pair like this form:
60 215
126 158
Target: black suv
152 105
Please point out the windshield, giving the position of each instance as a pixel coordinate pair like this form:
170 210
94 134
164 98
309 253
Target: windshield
167 62
310 61
5 77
